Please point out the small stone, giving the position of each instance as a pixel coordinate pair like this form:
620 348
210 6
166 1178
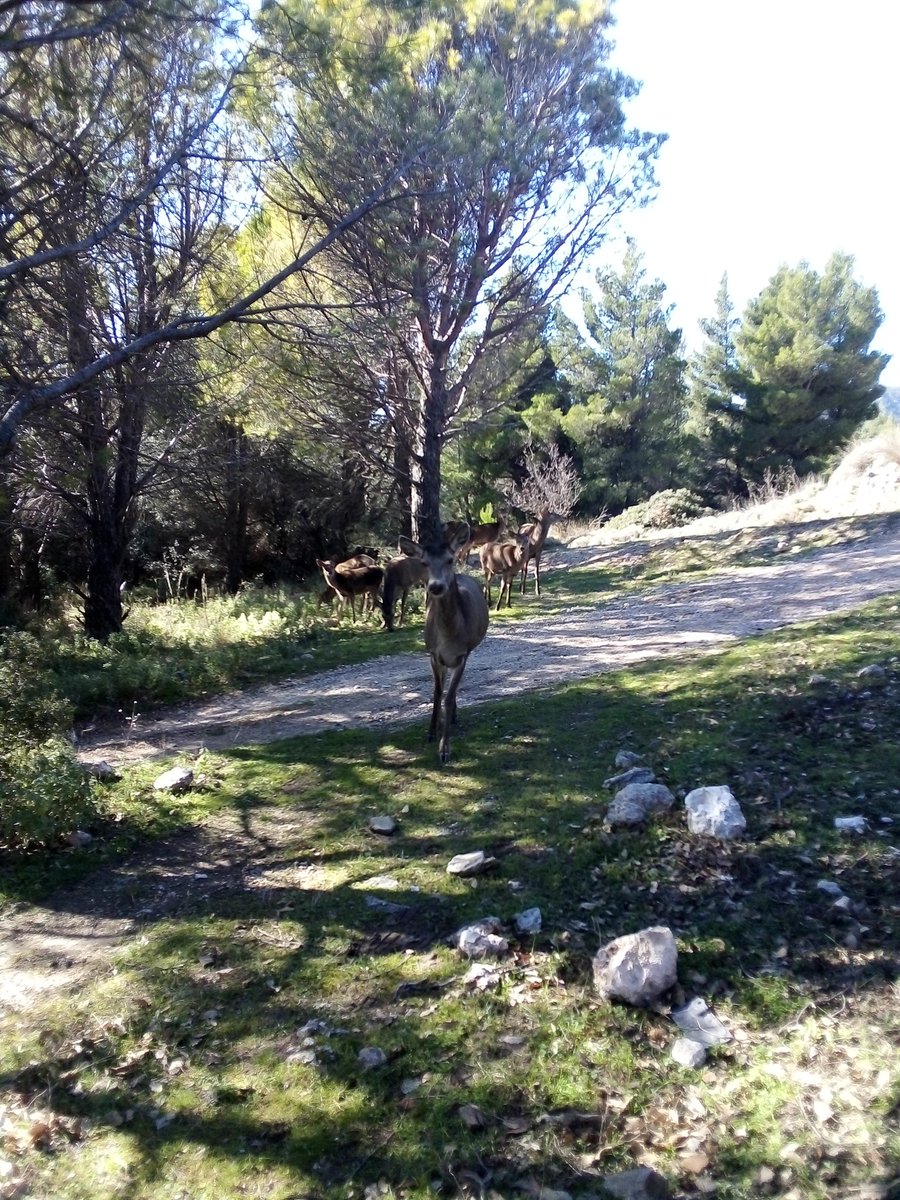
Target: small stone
101 771
830 888
688 1053
700 1024
385 826
474 863
632 775
528 921
481 939
628 758
851 824
304 1058
370 1057
874 675
179 779
78 838
817 681
472 1116
479 978
642 1183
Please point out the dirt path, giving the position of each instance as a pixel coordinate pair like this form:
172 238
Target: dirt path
53 947
515 658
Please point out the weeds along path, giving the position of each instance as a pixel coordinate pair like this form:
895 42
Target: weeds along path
49 949
669 621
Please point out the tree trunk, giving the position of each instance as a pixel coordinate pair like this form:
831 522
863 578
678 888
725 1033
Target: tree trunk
6 540
103 614
426 492
237 506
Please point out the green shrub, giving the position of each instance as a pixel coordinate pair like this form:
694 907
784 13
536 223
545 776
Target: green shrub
44 792
31 709
663 510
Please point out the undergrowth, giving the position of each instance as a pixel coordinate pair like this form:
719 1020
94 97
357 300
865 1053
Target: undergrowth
222 1057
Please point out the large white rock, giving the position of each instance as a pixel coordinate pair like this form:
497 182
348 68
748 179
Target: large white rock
482 939
638 967
635 802
713 811
179 779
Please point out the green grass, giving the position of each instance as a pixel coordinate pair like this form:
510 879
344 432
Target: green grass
185 1061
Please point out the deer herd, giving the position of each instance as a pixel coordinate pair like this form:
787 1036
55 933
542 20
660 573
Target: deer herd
456 617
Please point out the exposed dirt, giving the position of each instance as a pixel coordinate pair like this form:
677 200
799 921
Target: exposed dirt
46 949
585 640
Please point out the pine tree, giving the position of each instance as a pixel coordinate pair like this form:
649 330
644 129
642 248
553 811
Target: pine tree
628 413
810 376
715 403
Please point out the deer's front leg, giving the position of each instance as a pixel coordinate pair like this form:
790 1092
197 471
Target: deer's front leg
438 672
450 708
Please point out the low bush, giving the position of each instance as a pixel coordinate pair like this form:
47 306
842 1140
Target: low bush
663 510
44 792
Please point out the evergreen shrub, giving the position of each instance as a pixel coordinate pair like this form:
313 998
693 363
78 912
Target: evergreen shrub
663 510
44 792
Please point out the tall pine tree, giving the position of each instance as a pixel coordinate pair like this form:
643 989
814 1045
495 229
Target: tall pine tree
628 413
811 377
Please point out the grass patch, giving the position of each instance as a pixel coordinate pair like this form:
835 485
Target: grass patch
223 1056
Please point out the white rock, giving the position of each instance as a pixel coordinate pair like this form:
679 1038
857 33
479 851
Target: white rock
638 801
628 758
386 826
713 811
480 978
470 864
179 779
688 1053
637 968
830 888
851 824
79 838
700 1024
528 921
481 939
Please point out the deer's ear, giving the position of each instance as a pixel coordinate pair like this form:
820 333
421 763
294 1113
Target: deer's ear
408 547
460 538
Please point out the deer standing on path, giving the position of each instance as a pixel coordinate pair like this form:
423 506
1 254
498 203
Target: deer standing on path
350 582
537 535
479 535
400 574
456 621
505 560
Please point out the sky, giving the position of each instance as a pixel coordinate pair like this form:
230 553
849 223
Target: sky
783 119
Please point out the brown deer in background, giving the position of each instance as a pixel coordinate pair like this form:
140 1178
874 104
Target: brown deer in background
505 560
537 535
349 582
400 575
479 535
456 621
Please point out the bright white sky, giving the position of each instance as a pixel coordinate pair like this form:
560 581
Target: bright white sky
784 145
